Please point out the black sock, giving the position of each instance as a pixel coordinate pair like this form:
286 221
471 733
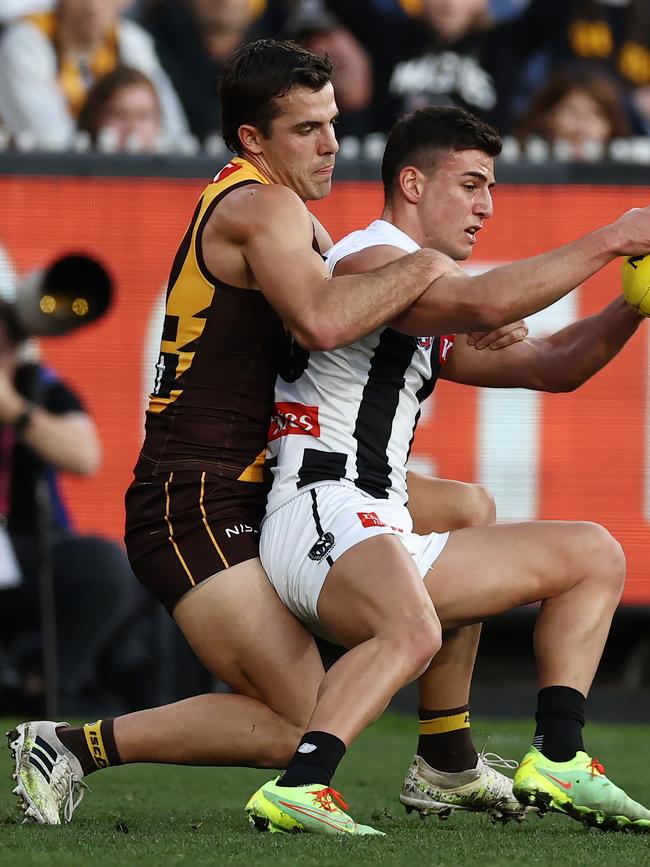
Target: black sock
315 760
560 717
93 744
445 741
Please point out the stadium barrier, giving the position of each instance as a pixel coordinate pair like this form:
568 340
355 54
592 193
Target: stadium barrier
583 455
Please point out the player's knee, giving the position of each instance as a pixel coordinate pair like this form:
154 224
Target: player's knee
615 565
417 642
479 507
428 644
607 565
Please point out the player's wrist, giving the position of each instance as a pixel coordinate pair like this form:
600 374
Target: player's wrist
609 241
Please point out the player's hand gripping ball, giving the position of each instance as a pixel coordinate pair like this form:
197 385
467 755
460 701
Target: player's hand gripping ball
635 280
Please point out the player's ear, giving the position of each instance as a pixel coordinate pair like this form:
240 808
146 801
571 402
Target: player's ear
410 184
251 138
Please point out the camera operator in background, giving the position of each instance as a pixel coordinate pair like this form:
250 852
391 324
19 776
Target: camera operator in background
45 429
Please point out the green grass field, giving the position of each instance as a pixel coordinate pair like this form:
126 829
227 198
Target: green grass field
166 816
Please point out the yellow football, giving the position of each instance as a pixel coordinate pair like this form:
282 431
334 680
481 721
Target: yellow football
635 280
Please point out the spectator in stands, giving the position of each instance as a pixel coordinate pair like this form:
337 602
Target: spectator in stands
49 60
611 34
192 39
616 35
315 28
581 107
450 52
124 105
44 429
10 9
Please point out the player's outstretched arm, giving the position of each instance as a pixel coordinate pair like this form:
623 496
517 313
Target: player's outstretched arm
559 362
517 290
321 312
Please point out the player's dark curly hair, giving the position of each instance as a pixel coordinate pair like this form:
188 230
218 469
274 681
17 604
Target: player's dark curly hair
418 138
256 75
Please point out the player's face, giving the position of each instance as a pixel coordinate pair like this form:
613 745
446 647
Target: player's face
301 147
456 201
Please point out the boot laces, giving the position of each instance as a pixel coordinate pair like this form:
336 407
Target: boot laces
324 799
596 767
494 760
67 788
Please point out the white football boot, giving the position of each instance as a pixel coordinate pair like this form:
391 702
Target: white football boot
49 778
481 789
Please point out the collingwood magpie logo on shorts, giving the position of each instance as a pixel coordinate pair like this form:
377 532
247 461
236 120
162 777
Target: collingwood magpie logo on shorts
323 546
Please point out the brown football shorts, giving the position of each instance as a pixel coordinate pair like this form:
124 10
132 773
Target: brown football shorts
183 527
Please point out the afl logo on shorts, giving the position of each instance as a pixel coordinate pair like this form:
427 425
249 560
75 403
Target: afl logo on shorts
322 547
424 342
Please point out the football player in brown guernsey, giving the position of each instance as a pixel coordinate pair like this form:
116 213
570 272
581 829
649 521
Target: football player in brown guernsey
248 272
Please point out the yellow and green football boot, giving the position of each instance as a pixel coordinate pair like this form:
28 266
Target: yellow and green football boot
292 809
580 789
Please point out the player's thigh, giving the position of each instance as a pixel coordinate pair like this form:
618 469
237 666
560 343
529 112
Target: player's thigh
483 571
373 588
241 631
437 505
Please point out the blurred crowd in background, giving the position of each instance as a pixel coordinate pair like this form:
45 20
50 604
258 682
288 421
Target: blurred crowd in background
143 76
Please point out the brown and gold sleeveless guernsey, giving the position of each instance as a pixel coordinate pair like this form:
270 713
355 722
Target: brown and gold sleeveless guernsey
219 357
199 491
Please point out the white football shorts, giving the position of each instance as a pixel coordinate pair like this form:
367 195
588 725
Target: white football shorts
302 539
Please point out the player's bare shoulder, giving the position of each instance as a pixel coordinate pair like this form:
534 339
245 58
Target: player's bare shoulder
259 209
254 216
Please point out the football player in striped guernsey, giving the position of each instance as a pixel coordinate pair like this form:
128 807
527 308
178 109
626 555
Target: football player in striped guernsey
338 543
